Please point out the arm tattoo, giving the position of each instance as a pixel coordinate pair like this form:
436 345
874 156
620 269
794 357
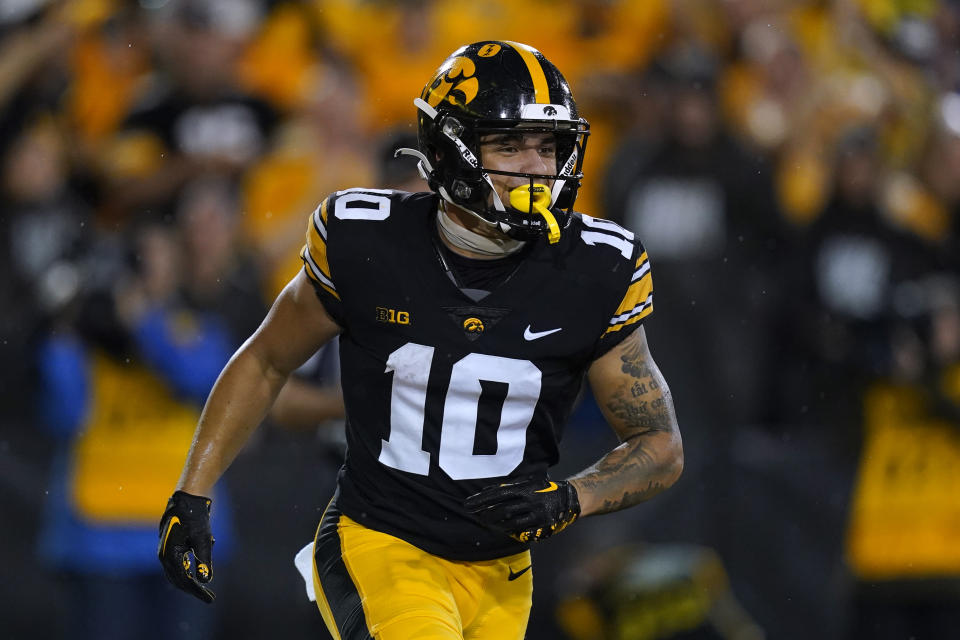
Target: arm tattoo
642 407
645 406
631 498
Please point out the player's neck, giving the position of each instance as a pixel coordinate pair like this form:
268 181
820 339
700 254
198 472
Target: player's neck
464 234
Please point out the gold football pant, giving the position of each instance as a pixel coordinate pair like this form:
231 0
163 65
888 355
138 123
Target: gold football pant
372 585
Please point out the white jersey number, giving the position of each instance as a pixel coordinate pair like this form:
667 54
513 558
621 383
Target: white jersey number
410 365
368 204
608 233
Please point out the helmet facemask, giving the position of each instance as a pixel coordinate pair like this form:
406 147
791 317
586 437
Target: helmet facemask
461 179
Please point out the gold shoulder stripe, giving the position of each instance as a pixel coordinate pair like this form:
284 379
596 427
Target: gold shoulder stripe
314 276
642 269
636 293
314 253
637 302
644 310
317 239
541 90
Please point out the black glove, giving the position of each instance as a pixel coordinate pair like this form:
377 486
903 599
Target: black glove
528 510
185 528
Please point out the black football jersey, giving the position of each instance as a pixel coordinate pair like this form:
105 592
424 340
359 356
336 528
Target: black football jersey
445 396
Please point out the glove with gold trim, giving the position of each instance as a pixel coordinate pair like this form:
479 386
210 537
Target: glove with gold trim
528 510
186 544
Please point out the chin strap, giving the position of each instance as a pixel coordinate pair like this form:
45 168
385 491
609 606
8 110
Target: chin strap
425 169
462 238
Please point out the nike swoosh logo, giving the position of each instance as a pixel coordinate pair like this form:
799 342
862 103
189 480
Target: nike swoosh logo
514 575
174 520
535 335
550 487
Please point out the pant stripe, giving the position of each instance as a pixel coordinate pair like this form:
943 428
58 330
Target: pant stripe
339 593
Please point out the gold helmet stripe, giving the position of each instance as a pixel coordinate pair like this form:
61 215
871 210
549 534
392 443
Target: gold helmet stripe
541 90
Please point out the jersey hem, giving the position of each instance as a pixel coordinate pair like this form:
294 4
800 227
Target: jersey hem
424 544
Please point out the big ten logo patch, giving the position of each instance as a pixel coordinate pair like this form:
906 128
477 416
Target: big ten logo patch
392 316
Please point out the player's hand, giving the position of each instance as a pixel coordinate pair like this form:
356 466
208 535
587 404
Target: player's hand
528 510
185 530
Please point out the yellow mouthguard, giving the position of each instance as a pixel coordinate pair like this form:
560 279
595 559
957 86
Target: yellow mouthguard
520 200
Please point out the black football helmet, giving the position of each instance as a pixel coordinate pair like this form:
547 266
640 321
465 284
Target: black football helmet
494 87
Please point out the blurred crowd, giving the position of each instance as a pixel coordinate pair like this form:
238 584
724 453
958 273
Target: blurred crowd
792 166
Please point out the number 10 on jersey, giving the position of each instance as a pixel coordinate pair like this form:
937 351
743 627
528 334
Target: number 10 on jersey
411 366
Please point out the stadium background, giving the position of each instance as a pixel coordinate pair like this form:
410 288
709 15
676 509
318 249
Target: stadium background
792 166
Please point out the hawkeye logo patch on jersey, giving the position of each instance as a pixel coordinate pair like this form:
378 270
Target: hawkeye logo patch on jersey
458 78
473 325
475 321
392 316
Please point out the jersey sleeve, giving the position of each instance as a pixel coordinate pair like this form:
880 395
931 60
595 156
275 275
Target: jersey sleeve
316 262
635 305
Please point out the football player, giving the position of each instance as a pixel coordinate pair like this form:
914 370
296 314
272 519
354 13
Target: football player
468 317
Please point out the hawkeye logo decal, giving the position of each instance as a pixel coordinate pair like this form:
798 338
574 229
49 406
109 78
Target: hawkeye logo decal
458 78
473 325
475 321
